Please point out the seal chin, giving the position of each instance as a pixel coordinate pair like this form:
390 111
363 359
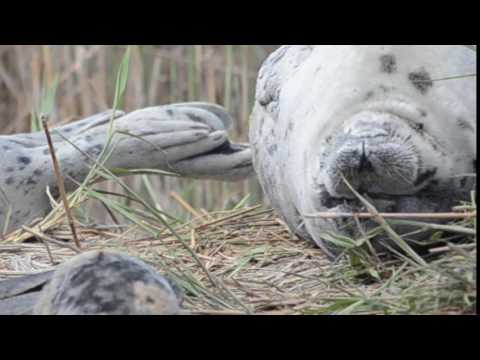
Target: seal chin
424 202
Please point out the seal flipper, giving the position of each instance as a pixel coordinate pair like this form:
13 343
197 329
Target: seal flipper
190 139
19 305
21 285
221 119
18 296
229 162
38 139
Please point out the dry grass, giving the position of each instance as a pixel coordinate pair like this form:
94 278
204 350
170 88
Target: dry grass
247 262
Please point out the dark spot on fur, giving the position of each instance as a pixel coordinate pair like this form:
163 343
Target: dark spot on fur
5 147
421 80
328 201
272 149
149 300
419 126
9 169
46 151
422 112
88 138
72 174
111 306
388 63
55 192
10 181
384 88
463 182
38 172
21 168
464 124
24 160
194 117
261 122
425 176
170 112
31 181
369 95
95 150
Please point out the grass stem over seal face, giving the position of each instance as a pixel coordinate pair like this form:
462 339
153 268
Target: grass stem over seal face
388 229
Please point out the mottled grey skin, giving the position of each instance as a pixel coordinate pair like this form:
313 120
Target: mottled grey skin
107 283
187 139
374 113
18 296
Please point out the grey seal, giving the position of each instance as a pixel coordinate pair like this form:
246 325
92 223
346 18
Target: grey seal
93 283
188 139
397 121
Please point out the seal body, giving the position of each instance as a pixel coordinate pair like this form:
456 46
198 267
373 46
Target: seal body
107 283
186 139
397 122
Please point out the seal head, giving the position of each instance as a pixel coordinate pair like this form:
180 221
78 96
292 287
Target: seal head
107 283
398 122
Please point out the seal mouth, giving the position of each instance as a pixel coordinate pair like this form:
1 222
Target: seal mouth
427 201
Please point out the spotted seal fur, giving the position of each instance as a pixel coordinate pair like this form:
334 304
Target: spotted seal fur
398 121
93 283
188 139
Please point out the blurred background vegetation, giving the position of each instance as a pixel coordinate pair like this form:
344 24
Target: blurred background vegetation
81 80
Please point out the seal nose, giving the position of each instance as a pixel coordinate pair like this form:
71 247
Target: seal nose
364 164
372 165
363 157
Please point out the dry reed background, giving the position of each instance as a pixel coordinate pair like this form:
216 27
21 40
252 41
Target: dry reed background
159 74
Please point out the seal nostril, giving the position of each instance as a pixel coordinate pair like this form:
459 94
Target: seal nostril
365 164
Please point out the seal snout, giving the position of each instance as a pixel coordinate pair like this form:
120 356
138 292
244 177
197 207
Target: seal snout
374 165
